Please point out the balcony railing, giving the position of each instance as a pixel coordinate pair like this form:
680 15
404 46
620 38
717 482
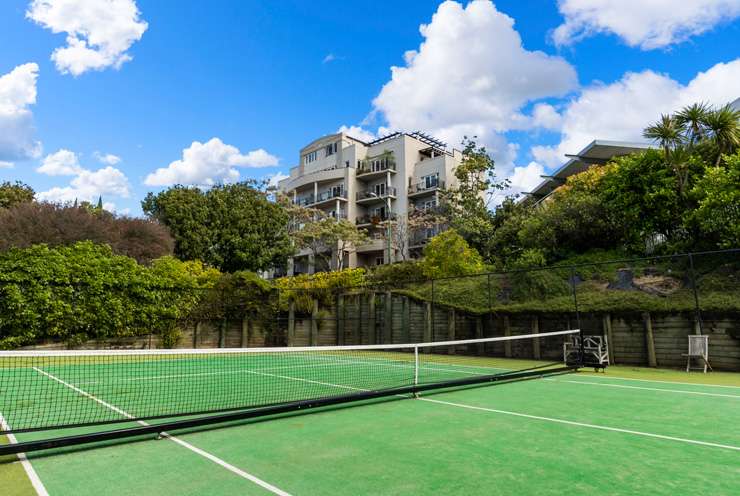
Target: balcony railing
374 219
375 195
303 201
424 187
371 166
329 194
422 237
421 210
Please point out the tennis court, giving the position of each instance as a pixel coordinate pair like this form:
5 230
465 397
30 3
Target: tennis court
627 431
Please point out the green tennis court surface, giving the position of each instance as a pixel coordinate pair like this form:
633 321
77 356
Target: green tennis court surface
575 433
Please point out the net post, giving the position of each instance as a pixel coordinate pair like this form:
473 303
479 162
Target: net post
416 369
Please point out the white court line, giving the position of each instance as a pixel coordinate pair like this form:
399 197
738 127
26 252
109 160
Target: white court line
194 449
536 417
625 386
671 382
30 471
589 426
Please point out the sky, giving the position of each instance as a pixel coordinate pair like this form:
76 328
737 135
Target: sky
117 98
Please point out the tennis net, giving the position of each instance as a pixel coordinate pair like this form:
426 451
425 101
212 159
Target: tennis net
45 390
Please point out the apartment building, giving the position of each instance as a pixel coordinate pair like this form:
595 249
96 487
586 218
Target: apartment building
371 183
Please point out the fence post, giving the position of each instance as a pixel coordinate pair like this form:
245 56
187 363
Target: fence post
372 331
536 342
427 325
291 323
578 313
340 319
388 325
432 313
650 342
697 309
405 320
609 337
507 332
451 323
313 338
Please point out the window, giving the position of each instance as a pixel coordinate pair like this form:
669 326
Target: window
331 149
379 260
379 212
380 189
430 181
430 204
311 157
336 191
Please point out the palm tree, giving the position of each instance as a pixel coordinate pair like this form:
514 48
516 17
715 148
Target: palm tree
692 118
724 126
680 161
666 131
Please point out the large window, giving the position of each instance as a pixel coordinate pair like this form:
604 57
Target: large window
331 149
311 157
430 181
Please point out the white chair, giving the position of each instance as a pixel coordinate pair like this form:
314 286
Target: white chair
698 350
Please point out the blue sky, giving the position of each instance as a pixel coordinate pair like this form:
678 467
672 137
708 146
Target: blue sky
124 90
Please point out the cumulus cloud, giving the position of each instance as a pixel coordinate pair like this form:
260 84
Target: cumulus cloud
98 33
61 163
648 24
89 185
621 110
358 132
17 94
471 75
545 116
6 165
107 158
209 163
274 179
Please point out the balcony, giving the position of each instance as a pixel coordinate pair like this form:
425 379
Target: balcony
304 201
422 237
424 188
329 195
370 196
373 220
373 169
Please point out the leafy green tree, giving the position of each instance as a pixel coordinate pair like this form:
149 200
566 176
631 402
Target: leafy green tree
467 205
14 193
184 210
718 195
692 120
448 254
232 227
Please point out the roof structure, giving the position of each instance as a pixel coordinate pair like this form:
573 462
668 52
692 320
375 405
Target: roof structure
598 152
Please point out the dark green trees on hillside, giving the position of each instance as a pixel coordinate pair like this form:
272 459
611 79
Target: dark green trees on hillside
231 227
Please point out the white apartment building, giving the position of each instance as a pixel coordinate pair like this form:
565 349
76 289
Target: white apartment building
369 184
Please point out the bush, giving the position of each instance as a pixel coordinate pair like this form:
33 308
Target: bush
303 289
398 272
85 291
448 254
27 224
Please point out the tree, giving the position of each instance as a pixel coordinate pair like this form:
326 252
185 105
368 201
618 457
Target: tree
399 232
718 195
448 254
232 227
13 193
30 223
724 126
467 205
328 239
667 132
691 119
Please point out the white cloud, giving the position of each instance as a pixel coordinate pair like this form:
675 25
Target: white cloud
621 110
107 158
61 163
98 32
209 163
274 179
358 132
89 185
648 24
6 165
17 93
545 116
470 76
